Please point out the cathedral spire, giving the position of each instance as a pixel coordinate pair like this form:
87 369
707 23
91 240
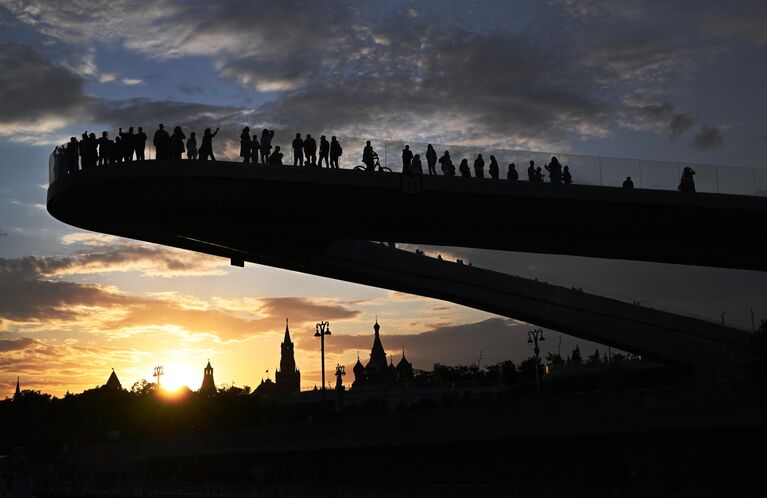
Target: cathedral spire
287 340
18 389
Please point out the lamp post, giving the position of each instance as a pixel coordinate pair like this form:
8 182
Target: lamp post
533 337
322 329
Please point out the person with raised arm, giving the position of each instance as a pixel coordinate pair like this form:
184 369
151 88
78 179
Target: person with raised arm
206 149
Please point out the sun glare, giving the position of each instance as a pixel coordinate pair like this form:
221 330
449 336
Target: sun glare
177 376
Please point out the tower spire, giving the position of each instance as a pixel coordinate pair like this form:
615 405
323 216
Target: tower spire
18 389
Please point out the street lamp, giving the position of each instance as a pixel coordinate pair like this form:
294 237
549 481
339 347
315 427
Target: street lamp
533 337
322 329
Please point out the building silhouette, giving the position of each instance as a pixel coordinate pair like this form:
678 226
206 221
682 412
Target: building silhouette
378 372
208 386
18 390
287 378
113 382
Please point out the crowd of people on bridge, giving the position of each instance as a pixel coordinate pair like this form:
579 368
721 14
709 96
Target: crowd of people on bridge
130 145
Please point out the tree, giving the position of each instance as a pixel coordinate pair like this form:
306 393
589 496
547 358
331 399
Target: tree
142 387
575 356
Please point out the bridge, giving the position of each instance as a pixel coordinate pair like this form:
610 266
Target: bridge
319 221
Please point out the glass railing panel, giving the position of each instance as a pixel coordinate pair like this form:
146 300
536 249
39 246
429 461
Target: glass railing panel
615 171
658 175
760 181
736 180
584 169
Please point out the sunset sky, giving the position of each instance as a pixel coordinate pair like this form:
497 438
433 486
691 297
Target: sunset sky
678 81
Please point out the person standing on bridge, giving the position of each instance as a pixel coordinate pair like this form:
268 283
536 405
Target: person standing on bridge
324 151
479 167
191 147
407 158
177 143
512 174
206 149
310 150
161 143
139 143
567 178
335 152
446 164
531 172
416 168
298 150
687 183
103 148
493 169
245 144
266 145
555 171
628 183
463 168
431 159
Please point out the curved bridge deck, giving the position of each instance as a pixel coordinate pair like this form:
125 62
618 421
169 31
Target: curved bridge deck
317 221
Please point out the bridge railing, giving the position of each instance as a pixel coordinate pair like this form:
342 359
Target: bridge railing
586 170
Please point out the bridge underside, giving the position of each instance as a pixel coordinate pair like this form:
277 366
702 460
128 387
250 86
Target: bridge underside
316 221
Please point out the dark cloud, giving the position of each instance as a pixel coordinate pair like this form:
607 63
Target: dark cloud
708 137
679 124
29 295
34 89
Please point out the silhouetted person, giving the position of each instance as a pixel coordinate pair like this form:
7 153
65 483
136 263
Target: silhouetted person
335 152
298 151
139 143
126 144
493 169
245 150
324 151
177 143
103 148
512 174
191 147
266 144
275 159
555 171
628 183
431 159
310 150
368 157
538 177
206 148
71 155
115 153
161 143
446 164
416 168
463 168
687 182
93 145
255 149
531 172
84 150
479 166
567 178
407 158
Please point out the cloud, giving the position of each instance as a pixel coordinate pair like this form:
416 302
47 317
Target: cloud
658 117
107 77
707 138
131 81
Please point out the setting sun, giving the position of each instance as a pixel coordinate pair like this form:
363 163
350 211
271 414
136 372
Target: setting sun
176 376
